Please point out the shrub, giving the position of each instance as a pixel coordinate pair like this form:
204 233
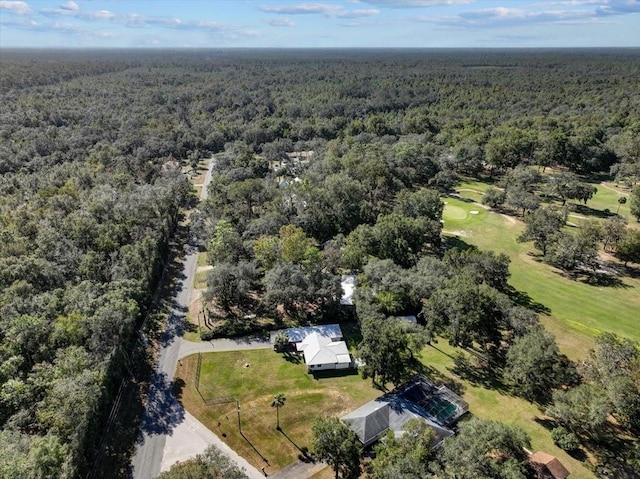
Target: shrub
564 439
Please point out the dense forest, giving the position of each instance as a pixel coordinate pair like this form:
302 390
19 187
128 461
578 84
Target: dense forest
90 197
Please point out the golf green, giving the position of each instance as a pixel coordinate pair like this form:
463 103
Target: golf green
453 213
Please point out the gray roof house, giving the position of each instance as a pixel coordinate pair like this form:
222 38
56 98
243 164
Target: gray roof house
438 407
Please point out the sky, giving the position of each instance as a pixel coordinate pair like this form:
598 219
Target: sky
319 24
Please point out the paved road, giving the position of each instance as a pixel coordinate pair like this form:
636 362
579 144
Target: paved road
168 433
163 412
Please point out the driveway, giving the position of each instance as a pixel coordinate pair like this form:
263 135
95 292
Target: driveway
187 348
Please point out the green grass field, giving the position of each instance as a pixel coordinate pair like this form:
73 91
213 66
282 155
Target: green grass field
578 311
254 378
499 406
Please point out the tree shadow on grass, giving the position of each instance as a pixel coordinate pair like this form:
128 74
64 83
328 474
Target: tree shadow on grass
304 455
450 242
292 358
523 299
592 212
479 372
266 461
604 280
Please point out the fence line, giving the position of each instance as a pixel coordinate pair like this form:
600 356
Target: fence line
197 375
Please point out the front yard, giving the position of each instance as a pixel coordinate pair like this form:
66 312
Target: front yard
254 377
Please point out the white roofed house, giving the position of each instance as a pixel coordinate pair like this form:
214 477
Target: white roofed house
322 353
322 347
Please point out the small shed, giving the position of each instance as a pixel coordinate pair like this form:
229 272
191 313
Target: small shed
548 466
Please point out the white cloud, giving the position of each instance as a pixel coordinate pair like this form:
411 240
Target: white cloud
326 9
17 8
619 7
70 5
415 3
99 15
281 22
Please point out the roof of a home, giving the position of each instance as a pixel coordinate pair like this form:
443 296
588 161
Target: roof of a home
388 413
297 335
319 349
348 283
553 465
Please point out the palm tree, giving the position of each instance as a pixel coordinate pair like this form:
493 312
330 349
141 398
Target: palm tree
621 201
278 402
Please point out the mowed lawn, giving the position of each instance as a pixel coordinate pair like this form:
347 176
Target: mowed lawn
254 377
576 311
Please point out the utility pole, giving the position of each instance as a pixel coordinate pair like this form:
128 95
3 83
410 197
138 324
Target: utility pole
238 409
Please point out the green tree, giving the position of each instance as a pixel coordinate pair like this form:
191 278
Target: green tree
519 198
613 231
230 284
542 226
573 252
405 456
464 312
535 367
402 239
629 247
225 245
281 341
297 248
582 409
486 449
211 464
635 202
508 146
622 200
338 446
384 350
286 284
265 251
494 197
614 365
421 203
278 402
564 439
